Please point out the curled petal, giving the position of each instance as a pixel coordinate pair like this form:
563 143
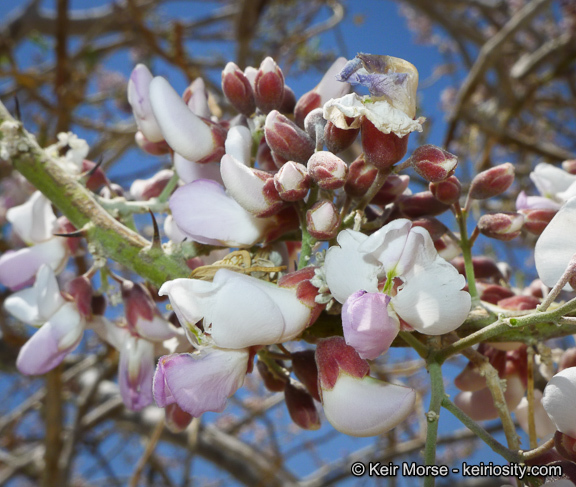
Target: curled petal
524 202
52 342
557 245
191 171
551 180
34 220
139 99
559 399
185 132
200 382
206 214
384 116
366 407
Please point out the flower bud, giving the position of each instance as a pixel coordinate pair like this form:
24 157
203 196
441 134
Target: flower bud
492 182
292 181
152 148
565 445
97 179
196 97
333 358
380 149
286 139
434 227
271 381
80 288
327 170
301 406
361 175
98 304
306 292
288 100
447 191
421 204
537 220
391 190
314 126
336 139
494 293
519 303
569 166
501 226
484 267
269 86
264 157
144 189
237 88
305 368
433 163
142 315
177 420
323 220
305 104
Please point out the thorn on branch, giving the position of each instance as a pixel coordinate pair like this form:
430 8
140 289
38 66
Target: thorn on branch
17 111
77 234
156 241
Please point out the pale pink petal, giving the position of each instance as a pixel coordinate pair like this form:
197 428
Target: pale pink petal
172 231
198 102
202 381
367 325
557 245
329 87
544 426
206 214
524 202
139 99
185 132
348 270
135 372
559 400
551 180
366 407
52 342
239 144
19 267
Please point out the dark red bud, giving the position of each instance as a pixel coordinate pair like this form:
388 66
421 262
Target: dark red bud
301 407
501 226
271 381
305 368
537 220
327 170
177 420
519 303
333 355
286 139
269 86
494 293
264 157
421 204
337 139
323 220
448 191
98 304
380 149
238 90
97 178
391 190
307 102
434 226
484 267
492 182
433 163
361 175
80 288
288 101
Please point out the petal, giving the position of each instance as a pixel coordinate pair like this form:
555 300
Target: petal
544 426
135 372
557 245
329 87
198 102
524 202
206 214
139 99
347 269
185 132
239 143
203 381
551 180
52 342
431 300
34 220
191 171
367 325
559 399
366 407
19 267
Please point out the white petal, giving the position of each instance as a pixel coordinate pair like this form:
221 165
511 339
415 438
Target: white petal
34 220
329 87
139 99
544 426
559 400
551 180
384 116
366 407
205 213
431 300
347 269
556 245
239 143
185 132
